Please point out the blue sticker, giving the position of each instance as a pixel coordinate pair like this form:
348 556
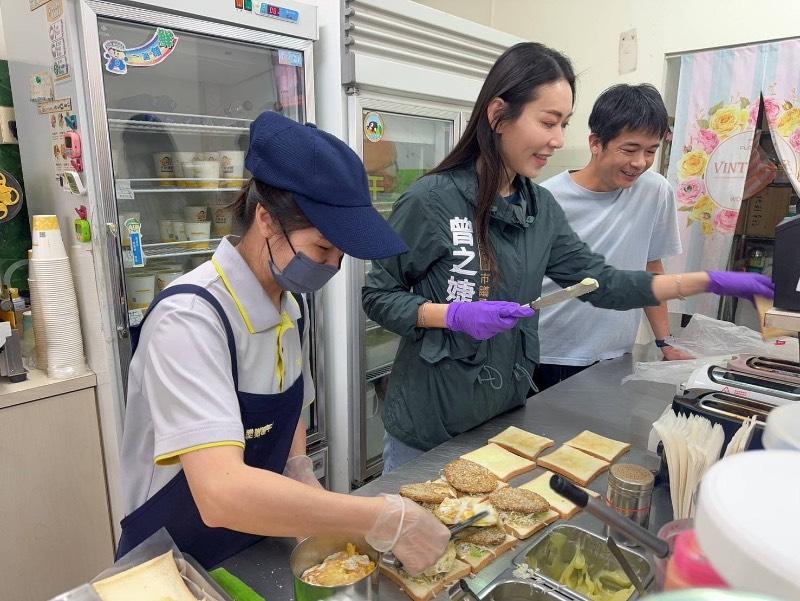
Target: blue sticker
134 228
265 9
293 58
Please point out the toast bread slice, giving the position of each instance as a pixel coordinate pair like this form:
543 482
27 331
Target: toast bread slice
598 446
522 532
425 591
502 463
576 465
521 442
541 485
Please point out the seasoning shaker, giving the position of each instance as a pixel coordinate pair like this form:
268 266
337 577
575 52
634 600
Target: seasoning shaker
630 490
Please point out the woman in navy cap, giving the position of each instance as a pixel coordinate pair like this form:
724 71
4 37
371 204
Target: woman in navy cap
214 443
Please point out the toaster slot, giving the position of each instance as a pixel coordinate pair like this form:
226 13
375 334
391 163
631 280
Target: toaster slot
738 409
752 382
767 364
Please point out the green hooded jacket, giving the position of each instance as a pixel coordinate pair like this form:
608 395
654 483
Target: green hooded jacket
444 383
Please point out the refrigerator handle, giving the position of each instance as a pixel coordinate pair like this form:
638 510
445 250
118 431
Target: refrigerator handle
122 323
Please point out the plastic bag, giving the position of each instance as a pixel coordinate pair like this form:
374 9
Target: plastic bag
711 341
201 585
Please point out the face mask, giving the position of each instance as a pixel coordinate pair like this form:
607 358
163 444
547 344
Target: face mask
301 274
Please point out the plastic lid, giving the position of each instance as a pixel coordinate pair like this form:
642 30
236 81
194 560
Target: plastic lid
783 428
690 563
747 524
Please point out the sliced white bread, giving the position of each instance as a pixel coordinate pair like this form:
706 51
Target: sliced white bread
425 589
541 485
598 446
502 463
522 532
576 465
153 580
521 442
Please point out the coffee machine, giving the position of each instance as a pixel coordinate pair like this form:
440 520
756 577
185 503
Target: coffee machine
11 365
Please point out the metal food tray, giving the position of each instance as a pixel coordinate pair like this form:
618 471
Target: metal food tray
546 587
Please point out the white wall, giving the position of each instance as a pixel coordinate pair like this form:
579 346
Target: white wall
588 33
3 52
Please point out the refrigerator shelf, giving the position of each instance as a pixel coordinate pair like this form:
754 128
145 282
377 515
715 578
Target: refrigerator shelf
149 188
158 122
166 250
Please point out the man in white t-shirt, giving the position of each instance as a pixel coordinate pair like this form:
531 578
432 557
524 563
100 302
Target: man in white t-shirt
623 212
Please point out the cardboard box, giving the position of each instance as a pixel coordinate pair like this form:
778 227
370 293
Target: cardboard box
764 211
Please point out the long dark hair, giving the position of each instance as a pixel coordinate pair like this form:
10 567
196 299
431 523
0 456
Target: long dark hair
515 77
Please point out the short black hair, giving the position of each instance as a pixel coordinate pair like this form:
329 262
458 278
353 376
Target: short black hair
621 107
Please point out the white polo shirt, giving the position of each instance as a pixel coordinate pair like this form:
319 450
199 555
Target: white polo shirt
181 394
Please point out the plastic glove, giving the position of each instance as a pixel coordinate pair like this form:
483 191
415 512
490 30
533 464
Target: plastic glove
739 283
675 354
301 468
484 319
415 536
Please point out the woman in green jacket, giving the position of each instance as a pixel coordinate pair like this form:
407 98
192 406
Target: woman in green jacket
482 236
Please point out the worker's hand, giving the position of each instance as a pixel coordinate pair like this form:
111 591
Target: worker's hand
741 284
484 319
301 468
413 534
675 354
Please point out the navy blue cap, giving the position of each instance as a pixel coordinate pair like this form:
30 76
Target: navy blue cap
328 180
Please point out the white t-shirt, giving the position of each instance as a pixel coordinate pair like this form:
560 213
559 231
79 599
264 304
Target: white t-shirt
629 227
181 394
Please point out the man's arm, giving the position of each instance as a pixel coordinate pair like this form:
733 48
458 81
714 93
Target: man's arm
658 317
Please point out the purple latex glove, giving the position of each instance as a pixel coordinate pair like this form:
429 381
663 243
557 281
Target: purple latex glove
484 319
739 283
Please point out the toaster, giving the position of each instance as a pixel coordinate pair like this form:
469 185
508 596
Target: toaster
727 410
743 384
774 369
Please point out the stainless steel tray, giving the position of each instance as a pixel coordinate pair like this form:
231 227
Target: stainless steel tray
545 585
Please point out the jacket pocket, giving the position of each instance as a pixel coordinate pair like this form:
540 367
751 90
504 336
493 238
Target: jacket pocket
444 344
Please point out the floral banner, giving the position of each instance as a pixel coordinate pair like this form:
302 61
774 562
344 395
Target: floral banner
782 104
717 109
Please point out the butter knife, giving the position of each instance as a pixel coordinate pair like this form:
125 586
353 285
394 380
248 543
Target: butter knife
585 286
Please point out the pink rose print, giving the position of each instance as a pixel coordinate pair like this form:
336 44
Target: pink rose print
708 140
772 108
725 221
794 139
690 190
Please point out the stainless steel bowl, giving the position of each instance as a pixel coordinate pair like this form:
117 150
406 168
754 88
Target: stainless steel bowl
313 551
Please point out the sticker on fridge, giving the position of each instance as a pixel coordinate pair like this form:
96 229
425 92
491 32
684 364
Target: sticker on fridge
373 127
155 51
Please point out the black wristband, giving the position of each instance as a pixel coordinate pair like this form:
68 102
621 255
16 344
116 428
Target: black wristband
662 343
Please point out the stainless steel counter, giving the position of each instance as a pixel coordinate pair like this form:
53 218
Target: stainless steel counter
592 400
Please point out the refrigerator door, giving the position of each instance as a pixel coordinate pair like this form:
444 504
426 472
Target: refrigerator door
174 98
398 143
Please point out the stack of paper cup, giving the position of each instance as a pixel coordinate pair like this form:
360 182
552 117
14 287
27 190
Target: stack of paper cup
55 305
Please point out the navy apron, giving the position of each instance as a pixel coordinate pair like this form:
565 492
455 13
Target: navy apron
274 416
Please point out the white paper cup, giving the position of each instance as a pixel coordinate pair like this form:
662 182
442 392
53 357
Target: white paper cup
206 155
140 289
178 230
165 230
46 238
207 172
179 159
198 230
125 234
164 164
231 166
194 213
222 218
165 276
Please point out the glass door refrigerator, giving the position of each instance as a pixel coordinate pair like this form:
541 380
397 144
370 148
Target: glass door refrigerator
171 98
399 141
